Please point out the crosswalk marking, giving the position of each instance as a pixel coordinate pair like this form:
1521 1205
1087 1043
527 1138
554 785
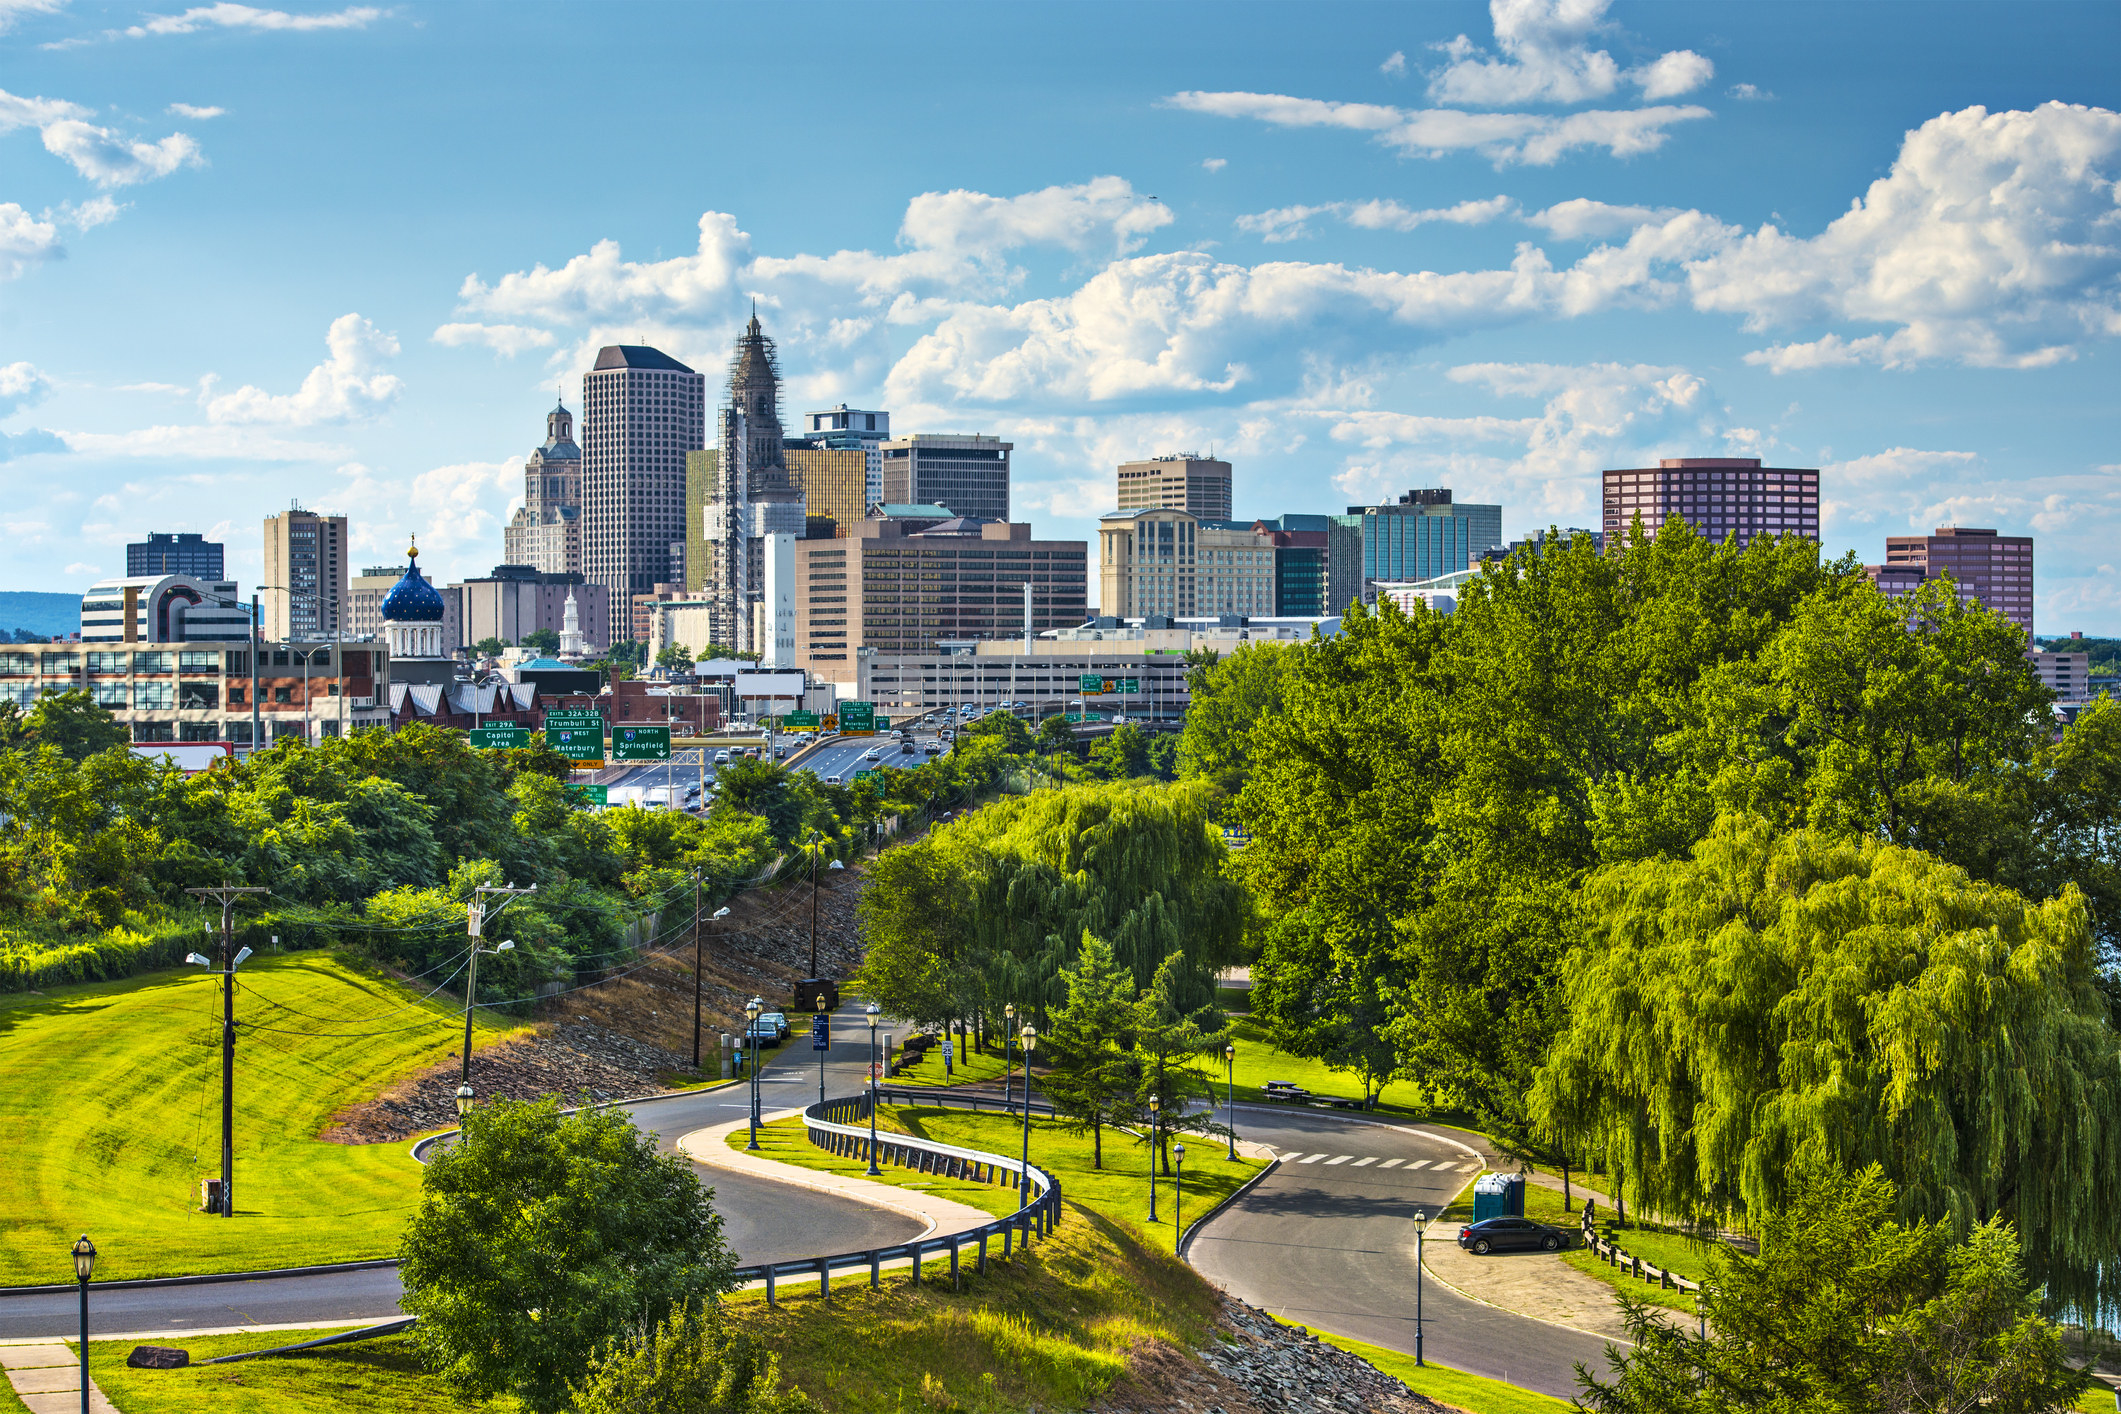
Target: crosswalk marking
1360 1162
1389 1163
1312 1159
1469 1168
1419 1164
1341 1159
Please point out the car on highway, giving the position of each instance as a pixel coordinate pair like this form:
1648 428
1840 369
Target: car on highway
906 747
873 754
834 781
721 758
931 749
1511 1235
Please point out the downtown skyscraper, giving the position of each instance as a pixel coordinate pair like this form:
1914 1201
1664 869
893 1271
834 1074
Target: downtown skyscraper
642 411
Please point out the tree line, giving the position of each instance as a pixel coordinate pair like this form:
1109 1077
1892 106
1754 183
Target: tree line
1699 862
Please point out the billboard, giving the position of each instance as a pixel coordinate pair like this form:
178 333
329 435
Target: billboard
789 685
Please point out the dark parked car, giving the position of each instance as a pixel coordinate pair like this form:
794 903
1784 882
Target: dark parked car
1511 1235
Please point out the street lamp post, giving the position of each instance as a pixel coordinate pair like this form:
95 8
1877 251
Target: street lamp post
1023 1179
1008 1053
873 1012
226 896
1178 1191
816 847
1421 1226
822 1052
1230 1093
699 961
471 998
752 1009
1156 1105
84 1266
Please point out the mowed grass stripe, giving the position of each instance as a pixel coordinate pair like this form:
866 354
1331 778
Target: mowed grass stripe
111 1116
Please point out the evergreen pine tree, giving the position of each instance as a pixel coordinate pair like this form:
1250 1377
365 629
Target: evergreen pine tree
1092 1080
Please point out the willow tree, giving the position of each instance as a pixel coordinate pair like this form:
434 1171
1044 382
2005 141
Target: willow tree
1793 998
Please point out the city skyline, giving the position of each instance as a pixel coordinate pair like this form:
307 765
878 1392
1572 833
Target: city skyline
1347 250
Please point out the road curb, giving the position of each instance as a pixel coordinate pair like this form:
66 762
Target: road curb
1185 1238
1455 1289
206 1278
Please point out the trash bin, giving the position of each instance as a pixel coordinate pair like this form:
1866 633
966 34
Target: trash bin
1498 1195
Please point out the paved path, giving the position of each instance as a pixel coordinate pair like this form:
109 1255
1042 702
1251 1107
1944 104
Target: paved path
1327 1239
47 1379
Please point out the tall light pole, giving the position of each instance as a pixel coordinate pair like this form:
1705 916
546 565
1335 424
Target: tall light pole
1421 1226
872 1012
1156 1105
699 962
1178 1193
752 1009
1008 1053
84 1266
1230 1093
226 897
815 847
1023 1184
822 1044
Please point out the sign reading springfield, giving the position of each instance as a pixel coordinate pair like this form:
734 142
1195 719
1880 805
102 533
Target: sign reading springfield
640 743
857 719
505 736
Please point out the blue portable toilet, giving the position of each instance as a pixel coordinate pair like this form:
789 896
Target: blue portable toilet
1498 1195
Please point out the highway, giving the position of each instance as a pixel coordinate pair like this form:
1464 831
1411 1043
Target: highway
838 756
1328 1240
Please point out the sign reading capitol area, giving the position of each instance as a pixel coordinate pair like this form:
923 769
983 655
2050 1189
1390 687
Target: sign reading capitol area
640 744
506 736
857 719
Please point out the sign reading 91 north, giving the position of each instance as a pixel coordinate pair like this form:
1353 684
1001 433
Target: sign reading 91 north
640 743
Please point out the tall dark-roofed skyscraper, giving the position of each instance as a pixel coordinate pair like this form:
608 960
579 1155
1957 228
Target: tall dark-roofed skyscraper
642 411
181 552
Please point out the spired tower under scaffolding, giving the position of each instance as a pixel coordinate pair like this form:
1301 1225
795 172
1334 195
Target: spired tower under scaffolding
740 491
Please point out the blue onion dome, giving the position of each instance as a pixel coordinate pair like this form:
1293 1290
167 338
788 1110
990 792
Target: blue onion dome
412 599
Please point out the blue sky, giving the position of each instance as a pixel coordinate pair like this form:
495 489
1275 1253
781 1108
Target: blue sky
346 254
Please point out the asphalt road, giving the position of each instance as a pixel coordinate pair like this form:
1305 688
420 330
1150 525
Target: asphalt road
763 1221
1329 1241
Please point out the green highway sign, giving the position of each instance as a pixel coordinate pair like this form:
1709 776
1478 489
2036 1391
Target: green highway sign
591 795
865 771
857 718
574 717
883 724
800 722
1089 682
1132 685
576 743
506 735
640 744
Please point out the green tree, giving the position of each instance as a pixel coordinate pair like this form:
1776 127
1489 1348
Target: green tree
695 1362
1850 1002
69 722
1845 1311
542 640
1092 1074
1169 1042
1228 700
490 646
1005 727
541 1238
920 964
1122 756
676 657
768 790
1056 734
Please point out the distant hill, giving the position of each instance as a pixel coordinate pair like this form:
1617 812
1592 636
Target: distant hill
45 614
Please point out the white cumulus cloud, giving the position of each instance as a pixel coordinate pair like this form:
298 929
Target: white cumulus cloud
1546 58
14 11
25 240
1395 64
350 384
1214 164
1288 223
1995 240
1584 219
19 112
189 110
111 160
233 16
22 385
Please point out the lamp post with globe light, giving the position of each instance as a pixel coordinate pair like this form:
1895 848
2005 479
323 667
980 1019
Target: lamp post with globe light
1030 1039
1421 1226
84 1267
1156 1105
1008 1053
1230 1093
873 1012
1178 1190
752 1009
464 1098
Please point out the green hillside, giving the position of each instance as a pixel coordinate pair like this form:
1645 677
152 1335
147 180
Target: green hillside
111 1117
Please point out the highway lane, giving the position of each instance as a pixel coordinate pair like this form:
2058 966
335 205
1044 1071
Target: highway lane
1328 1240
761 1220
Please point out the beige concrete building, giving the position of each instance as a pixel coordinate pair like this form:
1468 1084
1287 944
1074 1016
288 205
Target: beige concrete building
1175 563
1991 569
515 600
305 588
546 530
969 473
1180 481
903 586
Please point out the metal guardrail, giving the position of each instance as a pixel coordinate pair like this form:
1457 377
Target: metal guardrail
832 1126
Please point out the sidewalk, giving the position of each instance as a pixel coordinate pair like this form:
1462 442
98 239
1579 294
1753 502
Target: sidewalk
1535 1284
942 1216
47 1379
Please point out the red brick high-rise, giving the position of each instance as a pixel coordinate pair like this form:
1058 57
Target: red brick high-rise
1717 496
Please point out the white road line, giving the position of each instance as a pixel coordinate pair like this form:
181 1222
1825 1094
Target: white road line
1371 1160
1469 1168
1389 1164
1340 1159
1419 1164
1312 1159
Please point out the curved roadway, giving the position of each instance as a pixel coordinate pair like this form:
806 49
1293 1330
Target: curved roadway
1327 1239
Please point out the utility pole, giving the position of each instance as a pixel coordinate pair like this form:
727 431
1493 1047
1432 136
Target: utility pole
699 960
257 646
226 896
474 926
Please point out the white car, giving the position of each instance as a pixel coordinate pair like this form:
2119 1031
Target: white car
834 781
721 758
872 754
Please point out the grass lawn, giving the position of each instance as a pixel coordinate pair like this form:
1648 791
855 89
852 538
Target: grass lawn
976 1066
1258 1061
372 1374
1474 1393
786 1141
111 1116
